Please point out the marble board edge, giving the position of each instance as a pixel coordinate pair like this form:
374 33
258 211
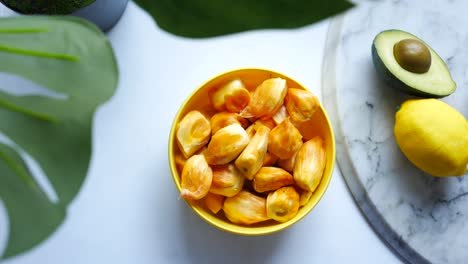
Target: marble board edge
364 203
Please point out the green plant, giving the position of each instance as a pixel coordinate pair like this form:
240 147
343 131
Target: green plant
201 18
46 6
68 56
73 58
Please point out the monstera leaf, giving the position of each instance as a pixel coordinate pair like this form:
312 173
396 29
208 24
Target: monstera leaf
57 7
208 18
70 57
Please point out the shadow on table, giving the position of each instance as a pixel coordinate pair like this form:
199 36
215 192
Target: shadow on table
207 244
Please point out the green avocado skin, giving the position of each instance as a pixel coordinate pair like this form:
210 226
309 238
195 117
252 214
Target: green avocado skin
392 81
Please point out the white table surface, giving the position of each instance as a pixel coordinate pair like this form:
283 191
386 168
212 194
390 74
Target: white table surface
128 210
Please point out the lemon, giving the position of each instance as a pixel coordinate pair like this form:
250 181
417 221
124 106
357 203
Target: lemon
433 136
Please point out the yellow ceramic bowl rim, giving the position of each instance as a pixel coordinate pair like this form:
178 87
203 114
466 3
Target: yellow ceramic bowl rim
246 230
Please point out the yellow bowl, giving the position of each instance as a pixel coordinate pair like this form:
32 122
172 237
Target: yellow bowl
318 126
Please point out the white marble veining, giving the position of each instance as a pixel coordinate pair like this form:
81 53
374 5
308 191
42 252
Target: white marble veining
424 218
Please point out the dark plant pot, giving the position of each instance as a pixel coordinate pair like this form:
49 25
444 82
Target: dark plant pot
104 13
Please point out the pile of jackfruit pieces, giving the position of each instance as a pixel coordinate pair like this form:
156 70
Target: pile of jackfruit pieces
249 159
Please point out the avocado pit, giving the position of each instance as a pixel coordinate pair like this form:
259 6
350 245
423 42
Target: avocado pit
412 55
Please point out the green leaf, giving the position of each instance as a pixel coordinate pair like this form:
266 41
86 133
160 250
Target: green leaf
68 56
32 216
56 7
208 18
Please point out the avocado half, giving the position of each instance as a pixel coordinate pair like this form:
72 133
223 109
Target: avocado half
436 82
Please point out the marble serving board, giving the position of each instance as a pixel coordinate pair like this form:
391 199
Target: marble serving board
423 218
